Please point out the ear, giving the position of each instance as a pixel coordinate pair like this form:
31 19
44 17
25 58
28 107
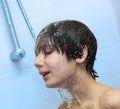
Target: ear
83 57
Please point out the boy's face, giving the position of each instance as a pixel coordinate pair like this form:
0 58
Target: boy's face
55 68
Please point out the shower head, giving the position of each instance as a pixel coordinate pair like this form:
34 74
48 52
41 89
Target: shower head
17 55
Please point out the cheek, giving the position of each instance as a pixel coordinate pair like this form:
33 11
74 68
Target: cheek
64 69
64 77
59 64
55 60
55 64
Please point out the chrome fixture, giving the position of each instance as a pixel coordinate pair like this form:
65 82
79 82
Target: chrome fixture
18 53
26 19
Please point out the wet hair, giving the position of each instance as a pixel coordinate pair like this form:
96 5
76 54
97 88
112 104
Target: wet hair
69 37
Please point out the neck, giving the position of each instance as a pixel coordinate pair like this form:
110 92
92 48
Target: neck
83 86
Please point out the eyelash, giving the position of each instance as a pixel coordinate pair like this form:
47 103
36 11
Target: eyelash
46 49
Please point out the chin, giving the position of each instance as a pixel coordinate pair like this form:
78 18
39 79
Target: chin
51 86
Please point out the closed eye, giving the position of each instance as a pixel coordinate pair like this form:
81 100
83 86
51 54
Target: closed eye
46 49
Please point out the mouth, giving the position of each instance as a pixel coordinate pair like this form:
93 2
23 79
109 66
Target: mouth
44 74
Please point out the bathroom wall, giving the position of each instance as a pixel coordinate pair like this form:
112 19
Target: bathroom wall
21 87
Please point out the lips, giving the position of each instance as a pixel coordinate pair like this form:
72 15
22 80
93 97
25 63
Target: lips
45 73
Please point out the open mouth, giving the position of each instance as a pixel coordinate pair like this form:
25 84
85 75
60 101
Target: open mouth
45 73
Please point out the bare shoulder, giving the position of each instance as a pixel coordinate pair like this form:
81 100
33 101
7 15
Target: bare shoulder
63 105
111 99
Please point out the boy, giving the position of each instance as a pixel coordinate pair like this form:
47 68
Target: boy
65 55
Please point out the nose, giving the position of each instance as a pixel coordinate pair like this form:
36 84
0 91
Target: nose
39 61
